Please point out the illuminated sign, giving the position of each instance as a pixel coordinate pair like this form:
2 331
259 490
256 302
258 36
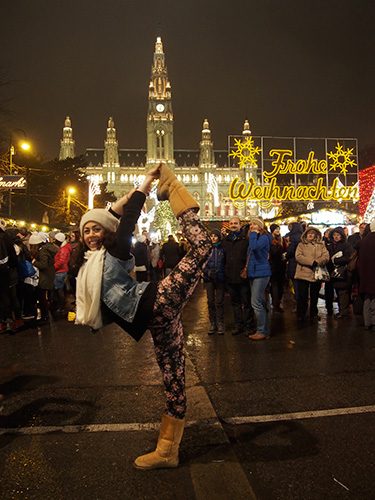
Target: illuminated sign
12 182
271 173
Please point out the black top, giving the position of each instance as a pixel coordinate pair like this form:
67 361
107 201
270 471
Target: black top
121 250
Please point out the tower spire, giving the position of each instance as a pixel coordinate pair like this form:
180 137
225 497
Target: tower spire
67 142
160 87
111 158
160 115
206 152
246 128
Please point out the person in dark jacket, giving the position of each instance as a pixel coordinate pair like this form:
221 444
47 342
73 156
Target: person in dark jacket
366 269
15 290
43 258
8 266
235 251
355 239
329 291
293 238
170 254
278 267
213 277
340 252
74 259
142 258
27 282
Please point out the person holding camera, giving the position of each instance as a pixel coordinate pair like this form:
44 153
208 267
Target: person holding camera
213 277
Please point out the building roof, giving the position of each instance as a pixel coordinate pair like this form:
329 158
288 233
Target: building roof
137 157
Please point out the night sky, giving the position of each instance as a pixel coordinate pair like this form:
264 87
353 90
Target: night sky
293 68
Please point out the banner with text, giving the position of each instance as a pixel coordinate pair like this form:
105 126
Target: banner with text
291 169
12 182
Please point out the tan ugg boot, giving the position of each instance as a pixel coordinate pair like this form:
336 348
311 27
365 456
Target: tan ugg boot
166 453
169 188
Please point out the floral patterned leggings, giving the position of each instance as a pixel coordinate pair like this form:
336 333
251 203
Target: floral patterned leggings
172 294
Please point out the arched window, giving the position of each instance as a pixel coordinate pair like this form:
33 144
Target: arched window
160 143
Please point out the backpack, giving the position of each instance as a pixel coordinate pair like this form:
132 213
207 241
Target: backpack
25 269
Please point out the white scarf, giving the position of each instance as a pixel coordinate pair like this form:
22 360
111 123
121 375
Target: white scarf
89 286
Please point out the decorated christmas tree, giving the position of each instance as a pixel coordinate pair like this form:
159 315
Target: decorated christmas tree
165 220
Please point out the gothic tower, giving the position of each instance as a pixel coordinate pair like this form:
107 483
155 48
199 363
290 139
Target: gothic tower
110 158
206 152
67 142
160 115
246 129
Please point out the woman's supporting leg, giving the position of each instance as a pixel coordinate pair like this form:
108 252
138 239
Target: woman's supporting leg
172 294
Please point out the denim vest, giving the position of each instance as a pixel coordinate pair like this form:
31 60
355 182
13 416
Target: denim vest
120 292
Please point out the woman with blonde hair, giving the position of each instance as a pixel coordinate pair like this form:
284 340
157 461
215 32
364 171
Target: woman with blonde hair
310 253
259 274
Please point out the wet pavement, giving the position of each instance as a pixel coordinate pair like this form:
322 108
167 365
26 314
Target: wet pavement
288 418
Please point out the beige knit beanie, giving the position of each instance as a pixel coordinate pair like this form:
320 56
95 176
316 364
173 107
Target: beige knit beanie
102 217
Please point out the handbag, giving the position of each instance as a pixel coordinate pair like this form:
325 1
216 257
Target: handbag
26 269
339 273
321 274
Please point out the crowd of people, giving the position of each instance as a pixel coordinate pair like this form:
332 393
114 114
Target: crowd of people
37 275
254 264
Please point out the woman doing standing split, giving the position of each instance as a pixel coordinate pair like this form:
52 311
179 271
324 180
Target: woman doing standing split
135 307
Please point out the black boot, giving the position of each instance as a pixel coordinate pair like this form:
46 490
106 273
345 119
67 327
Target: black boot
220 329
212 329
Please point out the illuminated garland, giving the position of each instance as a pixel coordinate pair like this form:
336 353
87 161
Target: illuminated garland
366 189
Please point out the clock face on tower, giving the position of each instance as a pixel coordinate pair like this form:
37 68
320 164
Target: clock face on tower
160 107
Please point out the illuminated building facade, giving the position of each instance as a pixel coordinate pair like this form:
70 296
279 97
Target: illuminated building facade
254 177
204 171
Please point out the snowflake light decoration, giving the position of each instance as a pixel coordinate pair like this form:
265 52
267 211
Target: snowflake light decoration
341 159
246 152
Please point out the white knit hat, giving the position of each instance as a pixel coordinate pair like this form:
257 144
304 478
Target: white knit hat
102 217
44 237
36 239
372 226
60 237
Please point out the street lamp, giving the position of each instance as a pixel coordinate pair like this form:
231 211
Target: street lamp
70 190
25 146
